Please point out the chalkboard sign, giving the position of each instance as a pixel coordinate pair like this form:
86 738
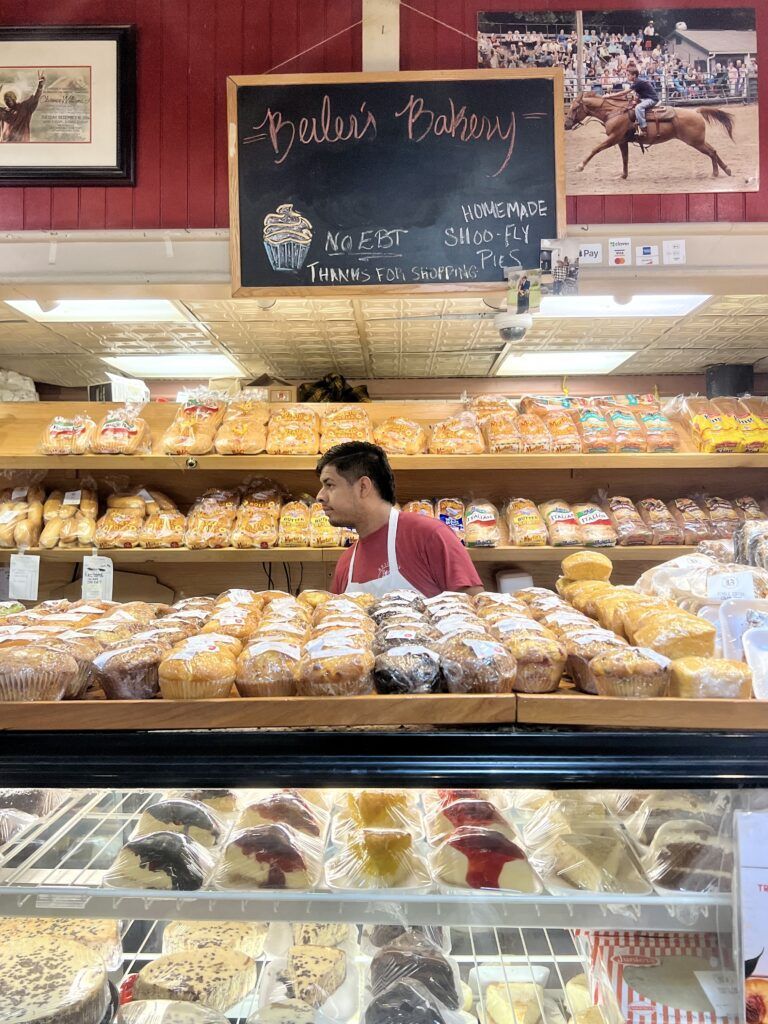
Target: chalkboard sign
394 182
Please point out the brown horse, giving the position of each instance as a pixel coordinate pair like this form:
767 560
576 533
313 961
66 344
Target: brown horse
615 114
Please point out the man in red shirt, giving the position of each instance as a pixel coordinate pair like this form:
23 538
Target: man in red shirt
396 550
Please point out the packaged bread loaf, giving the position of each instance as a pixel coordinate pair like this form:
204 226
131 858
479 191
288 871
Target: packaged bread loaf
321 533
400 436
457 435
487 406
562 430
294 525
451 511
420 507
194 427
526 527
754 430
119 528
534 436
501 433
255 527
630 529
293 430
597 435
244 428
595 525
658 518
347 423
211 519
748 509
481 524
712 431
122 431
68 435
540 404
723 516
709 678
562 524
692 519
629 435
676 634
163 530
660 433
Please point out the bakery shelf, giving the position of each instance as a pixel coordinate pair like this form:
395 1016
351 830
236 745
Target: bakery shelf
502 553
58 865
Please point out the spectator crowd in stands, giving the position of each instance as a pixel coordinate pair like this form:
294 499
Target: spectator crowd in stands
609 55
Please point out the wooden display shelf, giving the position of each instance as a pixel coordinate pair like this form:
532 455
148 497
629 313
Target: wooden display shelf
260 712
568 708
503 553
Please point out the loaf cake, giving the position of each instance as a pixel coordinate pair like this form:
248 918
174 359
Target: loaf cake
52 981
217 978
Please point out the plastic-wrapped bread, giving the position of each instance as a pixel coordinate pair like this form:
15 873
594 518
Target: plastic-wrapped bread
68 435
658 518
629 434
540 662
712 431
753 429
163 530
209 527
692 519
293 430
526 527
748 509
255 527
452 512
595 525
541 404
660 433
321 533
501 433
709 678
194 427
400 436
488 406
562 524
723 516
199 668
534 436
294 525
562 430
347 423
676 634
457 435
587 565
481 525
122 431
119 528
630 529
421 507
597 434
244 428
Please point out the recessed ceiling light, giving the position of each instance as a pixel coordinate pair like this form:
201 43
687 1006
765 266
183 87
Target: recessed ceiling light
607 305
558 364
94 311
180 367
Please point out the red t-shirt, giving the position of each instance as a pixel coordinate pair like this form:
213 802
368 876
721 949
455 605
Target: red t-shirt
429 556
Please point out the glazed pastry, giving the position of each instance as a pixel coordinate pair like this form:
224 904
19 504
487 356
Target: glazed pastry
244 936
162 860
217 978
184 816
419 962
480 858
47 980
284 809
267 857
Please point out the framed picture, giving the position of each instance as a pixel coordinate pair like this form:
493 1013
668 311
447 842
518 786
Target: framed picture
67 105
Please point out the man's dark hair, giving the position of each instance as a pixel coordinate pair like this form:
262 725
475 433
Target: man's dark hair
356 459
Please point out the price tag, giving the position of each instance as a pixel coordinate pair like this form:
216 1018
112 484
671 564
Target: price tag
724 586
24 577
72 498
18 493
97 578
722 990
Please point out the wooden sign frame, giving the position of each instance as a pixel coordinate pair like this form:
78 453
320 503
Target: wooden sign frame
234 82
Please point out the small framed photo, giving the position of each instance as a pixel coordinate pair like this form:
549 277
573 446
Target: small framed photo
67 105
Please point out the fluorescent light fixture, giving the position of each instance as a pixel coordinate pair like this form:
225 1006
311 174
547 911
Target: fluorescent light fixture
606 305
190 366
558 364
95 311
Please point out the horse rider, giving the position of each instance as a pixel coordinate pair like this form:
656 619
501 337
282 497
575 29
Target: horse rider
647 98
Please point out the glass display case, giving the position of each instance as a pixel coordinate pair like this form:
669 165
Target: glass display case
457 893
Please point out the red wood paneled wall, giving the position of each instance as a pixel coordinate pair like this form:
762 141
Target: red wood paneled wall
188 47
426 44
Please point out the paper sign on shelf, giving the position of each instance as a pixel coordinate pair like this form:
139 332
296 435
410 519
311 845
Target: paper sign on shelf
674 251
97 578
620 252
751 856
647 255
591 254
24 577
724 585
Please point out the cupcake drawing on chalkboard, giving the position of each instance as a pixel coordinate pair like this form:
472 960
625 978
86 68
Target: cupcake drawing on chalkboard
287 237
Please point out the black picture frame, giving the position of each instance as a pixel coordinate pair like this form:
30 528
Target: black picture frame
124 170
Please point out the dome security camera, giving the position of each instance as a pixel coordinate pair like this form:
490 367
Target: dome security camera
513 326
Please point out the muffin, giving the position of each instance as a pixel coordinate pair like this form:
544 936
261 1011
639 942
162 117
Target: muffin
130 672
197 672
37 673
268 668
629 673
540 662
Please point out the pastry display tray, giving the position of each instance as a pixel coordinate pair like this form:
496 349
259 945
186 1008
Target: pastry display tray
56 867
